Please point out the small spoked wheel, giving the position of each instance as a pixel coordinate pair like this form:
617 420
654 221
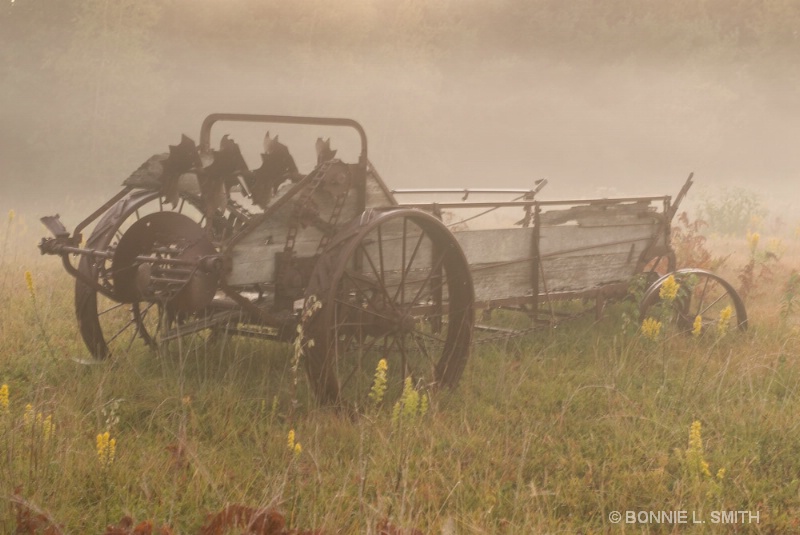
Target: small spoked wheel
107 325
395 287
695 301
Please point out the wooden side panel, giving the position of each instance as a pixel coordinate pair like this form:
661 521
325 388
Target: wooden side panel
496 245
493 281
501 261
254 257
599 248
377 193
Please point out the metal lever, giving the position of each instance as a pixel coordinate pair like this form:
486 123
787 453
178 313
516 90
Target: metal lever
55 226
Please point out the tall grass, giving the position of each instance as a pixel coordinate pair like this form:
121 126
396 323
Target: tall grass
546 433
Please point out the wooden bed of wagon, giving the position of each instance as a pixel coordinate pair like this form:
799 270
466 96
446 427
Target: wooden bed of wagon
197 242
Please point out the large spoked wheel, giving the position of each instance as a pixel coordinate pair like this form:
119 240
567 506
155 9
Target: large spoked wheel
703 303
394 286
108 326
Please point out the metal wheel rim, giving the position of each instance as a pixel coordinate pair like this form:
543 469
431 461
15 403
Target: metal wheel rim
707 297
107 326
431 312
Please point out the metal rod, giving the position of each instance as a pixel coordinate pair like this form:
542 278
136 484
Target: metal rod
512 204
412 191
144 259
166 280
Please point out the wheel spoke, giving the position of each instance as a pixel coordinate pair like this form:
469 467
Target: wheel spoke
110 309
134 332
403 271
717 300
406 268
373 307
403 357
380 256
428 335
424 352
130 322
428 278
702 295
388 299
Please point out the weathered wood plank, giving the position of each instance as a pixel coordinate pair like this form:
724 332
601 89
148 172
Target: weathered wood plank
583 272
377 194
253 257
500 281
575 241
495 245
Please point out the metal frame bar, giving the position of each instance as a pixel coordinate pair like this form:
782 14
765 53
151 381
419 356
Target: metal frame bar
525 203
208 122
465 191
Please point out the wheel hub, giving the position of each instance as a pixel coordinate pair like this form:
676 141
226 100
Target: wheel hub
158 259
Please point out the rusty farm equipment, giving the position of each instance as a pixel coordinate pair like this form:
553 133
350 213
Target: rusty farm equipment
197 242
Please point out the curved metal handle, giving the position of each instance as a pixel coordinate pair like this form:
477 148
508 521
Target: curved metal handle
205 129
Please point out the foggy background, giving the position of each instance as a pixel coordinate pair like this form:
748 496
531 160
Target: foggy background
603 98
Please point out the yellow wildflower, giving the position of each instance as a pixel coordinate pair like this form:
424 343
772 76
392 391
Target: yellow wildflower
721 474
11 215
29 283
651 328
695 453
106 449
724 320
27 416
697 326
696 437
752 240
379 383
704 468
669 289
294 446
4 398
411 406
48 427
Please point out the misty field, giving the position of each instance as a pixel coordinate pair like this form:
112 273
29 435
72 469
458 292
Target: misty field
550 432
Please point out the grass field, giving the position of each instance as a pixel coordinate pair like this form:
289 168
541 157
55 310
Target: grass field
548 433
